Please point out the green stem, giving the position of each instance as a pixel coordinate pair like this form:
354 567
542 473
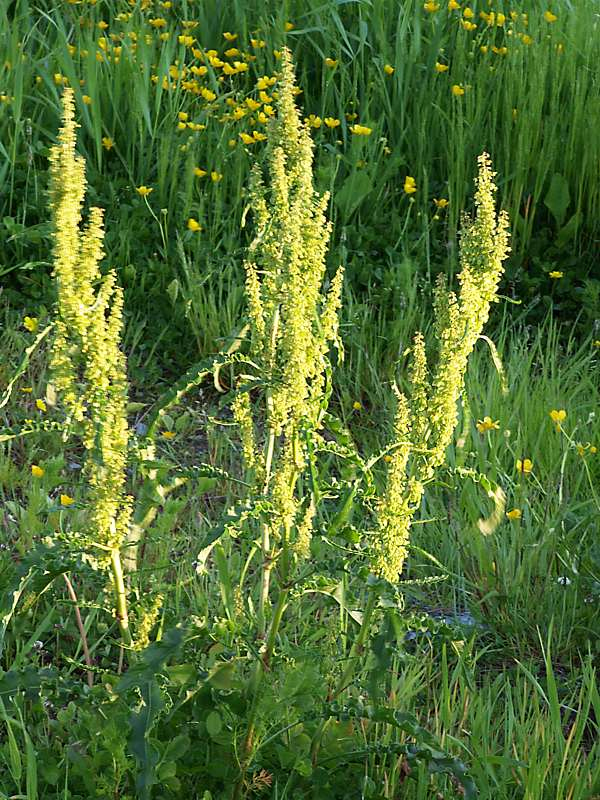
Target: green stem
262 666
356 652
120 596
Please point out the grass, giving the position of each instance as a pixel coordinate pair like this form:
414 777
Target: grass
493 646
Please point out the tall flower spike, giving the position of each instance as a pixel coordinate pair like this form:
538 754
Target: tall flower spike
424 431
88 367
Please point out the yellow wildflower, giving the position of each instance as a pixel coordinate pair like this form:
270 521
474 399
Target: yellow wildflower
410 186
289 26
357 406
41 405
246 138
257 43
27 389
431 6
514 514
441 202
441 67
361 130
331 62
259 137
158 22
66 501
194 225
31 324
331 122
457 90
388 69
468 13
86 99
314 121
487 424
524 466
231 37
453 5
168 434
555 274
558 416
549 16
36 471
200 173
143 191
468 26
526 39
215 176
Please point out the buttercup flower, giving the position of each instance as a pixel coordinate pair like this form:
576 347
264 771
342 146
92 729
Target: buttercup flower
549 16
514 514
107 142
31 324
441 67
388 69
457 90
168 434
66 501
143 191
193 225
410 186
558 416
441 202
331 122
37 471
361 130
556 274
524 466
487 424
40 405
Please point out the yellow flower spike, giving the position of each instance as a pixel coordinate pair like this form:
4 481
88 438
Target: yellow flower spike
361 130
66 500
388 69
168 434
37 471
549 16
439 67
524 466
41 405
144 191
556 274
457 90
558 416
332 122
194 225
514 514
331 62
410 186
31 324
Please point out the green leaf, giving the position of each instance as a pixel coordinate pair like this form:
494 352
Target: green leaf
557 199
214 724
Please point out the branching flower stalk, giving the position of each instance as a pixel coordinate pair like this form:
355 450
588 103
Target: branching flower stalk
88 367
424 426
293 323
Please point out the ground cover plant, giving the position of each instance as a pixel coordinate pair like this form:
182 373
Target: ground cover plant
299 429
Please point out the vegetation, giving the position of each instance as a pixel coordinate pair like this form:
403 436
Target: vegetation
308 507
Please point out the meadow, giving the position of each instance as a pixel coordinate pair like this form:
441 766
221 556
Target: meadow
299 428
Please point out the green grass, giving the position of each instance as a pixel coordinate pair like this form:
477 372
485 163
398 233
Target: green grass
495 646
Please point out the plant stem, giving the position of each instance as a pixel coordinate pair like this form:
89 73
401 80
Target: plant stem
81 627
346 678
262 666
120 596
